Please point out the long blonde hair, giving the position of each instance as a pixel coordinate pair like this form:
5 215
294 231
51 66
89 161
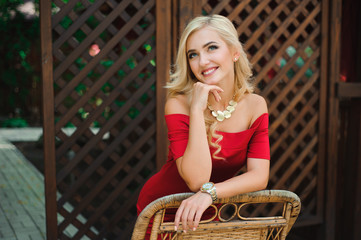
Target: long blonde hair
182 78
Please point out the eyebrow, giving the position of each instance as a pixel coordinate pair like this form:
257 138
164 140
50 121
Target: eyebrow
205 45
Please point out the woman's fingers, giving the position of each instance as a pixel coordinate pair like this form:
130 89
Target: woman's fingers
188 214
201 92
197 219
191 210
178 216
183 215
216 95
190 218
198 86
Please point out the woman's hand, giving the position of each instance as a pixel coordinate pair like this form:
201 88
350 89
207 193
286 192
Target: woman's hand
191 211
200 95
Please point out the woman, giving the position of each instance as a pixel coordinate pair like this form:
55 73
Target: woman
216 124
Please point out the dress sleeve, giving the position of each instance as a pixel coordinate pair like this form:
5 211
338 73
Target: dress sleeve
259 144
178 130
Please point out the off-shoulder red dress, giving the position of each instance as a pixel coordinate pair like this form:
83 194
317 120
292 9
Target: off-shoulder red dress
236 148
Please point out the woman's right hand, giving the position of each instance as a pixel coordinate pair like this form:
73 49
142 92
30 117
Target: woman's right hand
191 210
200 95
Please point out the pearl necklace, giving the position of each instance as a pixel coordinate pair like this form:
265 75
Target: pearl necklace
221 115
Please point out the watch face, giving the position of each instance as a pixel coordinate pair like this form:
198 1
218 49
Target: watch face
207 186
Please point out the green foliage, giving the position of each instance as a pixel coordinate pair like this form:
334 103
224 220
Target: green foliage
14 123
20 63
19 45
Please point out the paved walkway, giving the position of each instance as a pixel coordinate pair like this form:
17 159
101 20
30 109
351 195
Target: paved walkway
22 198
22 201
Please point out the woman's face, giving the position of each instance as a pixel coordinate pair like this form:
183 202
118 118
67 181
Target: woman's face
209 57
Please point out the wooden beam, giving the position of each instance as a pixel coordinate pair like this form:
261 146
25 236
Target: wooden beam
174 29
163 60
333 117
197 7
357 207
349 89
186 13
322 123
48 118
357 212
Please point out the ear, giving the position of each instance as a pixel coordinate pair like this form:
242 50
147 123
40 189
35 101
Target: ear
236 55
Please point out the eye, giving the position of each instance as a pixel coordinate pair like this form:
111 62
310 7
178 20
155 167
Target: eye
192 55
213 47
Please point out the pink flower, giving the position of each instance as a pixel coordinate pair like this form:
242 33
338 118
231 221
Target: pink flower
94 50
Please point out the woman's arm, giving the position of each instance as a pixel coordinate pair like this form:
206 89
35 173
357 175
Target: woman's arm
256 178
195 166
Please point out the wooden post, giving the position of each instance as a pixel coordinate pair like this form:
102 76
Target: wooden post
185 14
357 215
333 118
163 60
188 9
322 147
48 119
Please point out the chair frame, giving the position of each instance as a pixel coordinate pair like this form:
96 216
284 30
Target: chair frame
267 228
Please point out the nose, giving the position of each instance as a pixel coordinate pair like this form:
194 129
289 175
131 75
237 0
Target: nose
203 59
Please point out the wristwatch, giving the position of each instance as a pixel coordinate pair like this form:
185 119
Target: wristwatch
210 189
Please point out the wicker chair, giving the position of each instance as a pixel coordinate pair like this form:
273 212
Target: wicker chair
234 227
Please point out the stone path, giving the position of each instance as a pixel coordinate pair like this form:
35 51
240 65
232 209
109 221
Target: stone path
22 201
22 198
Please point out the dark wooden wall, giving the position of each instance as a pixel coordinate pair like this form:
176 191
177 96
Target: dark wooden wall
349 95
114 103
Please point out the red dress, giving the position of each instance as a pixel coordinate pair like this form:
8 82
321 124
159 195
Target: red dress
236 148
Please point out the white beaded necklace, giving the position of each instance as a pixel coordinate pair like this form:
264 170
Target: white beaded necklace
221 115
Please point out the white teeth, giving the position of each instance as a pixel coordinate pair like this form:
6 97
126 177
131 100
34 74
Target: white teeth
209 71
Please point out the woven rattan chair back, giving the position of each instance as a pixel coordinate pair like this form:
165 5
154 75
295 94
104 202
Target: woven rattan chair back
235 226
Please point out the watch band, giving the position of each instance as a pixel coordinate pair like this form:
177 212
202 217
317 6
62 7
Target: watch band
210 189
213 193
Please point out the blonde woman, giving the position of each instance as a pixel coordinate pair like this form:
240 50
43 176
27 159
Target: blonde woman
216 124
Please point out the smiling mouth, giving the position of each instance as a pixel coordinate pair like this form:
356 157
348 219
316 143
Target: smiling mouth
209 71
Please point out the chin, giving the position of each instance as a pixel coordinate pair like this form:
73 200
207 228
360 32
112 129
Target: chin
210 81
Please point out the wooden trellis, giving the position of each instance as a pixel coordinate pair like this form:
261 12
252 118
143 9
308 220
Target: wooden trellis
104 107
284 43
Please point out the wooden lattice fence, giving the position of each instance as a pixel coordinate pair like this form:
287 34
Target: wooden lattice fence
104 108
104 102
284 43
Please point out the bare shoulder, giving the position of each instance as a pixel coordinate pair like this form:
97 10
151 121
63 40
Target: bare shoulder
257 105
177 104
